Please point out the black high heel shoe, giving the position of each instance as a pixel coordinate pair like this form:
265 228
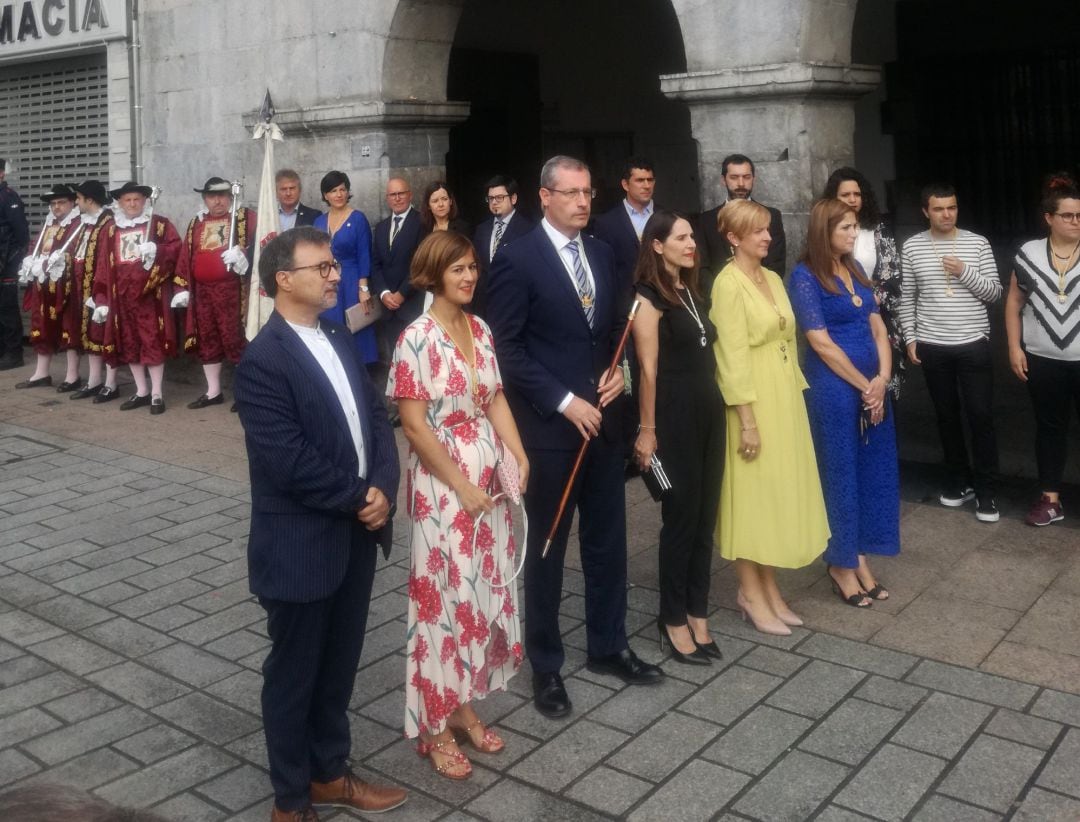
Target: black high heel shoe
710 648
696 657
854 600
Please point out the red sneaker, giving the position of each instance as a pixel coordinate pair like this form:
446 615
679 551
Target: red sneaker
1043 512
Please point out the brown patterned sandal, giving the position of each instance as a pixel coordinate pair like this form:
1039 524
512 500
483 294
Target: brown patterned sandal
457 765
490 742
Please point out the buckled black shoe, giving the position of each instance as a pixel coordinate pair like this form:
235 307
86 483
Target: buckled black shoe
549 695
626 666
67 387
135 402
157 405
40 382
203 401
86 392
106 394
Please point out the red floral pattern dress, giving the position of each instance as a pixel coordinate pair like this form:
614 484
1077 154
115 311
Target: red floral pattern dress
464 634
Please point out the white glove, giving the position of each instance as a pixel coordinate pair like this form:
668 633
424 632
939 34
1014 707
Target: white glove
235 259
55 267
37 270
180 300
90 303
100 313
25 269
148 252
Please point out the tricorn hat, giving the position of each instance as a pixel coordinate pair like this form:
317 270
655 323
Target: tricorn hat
59 191
215 185
93 190
131 188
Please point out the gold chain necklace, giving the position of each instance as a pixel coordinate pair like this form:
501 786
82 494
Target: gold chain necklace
1061 272
759 283
470 358
948 276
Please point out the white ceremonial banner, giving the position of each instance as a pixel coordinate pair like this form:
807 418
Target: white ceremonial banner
268 226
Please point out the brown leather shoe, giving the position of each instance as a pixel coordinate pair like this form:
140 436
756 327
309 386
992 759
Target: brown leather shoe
350 791
306 815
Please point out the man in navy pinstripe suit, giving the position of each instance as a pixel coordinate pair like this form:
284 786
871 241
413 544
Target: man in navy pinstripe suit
324 470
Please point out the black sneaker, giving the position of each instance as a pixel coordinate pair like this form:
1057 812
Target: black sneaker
986 510
955 497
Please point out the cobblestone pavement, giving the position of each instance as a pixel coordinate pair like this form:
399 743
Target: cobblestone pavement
130 652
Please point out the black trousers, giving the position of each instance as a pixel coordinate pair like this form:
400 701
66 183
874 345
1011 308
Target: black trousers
11 327
308 681
1054 386
690 439
960 379
600 499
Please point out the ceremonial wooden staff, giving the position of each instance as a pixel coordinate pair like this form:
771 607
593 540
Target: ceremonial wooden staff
235 189
585 443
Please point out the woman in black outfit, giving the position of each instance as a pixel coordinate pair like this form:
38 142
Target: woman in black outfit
439 211
682 422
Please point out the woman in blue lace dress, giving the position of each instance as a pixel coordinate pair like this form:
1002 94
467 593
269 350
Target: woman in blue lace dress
848 365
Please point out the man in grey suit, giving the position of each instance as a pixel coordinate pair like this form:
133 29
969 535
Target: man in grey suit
324 470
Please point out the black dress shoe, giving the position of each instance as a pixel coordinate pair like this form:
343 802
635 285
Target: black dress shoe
86 393
549 695
106 394
67 387
627 667
695 657
135 402
710 648
40 382
157 406
204 401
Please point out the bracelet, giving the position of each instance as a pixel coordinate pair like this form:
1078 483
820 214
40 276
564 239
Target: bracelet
647 427
750 428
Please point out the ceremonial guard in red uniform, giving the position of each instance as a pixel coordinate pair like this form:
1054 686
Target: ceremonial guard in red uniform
214 262
91 198
46 275
133 282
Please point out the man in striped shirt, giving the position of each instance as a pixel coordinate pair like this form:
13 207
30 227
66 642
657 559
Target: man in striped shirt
948 278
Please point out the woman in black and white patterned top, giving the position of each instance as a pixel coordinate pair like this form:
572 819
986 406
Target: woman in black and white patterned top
1042 319
875 251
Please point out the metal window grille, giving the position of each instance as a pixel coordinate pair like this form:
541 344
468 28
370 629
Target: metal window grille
54 126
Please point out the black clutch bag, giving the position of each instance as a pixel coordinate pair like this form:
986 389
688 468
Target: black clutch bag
656 479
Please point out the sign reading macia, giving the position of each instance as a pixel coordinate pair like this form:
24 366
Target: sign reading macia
47 25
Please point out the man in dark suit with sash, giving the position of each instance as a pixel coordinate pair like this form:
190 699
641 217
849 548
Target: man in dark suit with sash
553 305
324 471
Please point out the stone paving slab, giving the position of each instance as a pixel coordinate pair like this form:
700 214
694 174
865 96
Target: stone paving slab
130 652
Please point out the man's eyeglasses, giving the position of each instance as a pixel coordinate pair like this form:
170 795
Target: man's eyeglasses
574 193
1068 216
495 198
323 268
397 193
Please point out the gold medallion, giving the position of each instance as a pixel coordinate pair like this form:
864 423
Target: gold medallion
856 300
948 292
1061 298
586 300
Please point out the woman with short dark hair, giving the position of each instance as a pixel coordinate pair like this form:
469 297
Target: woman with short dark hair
1042 321
350 242
464 633
682 424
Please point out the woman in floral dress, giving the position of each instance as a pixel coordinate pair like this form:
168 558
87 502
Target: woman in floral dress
464 635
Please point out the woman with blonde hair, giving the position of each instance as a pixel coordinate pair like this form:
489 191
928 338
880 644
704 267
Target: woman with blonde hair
772 514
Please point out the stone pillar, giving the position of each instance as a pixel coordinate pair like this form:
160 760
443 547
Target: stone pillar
795 120
374 140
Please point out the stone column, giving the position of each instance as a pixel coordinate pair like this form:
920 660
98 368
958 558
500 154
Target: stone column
795 120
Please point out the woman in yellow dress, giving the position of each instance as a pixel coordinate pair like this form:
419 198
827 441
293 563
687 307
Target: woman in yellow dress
772 513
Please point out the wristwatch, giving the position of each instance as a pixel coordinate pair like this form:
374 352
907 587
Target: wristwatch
365 289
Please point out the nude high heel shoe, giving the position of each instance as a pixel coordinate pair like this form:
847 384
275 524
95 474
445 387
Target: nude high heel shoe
773 627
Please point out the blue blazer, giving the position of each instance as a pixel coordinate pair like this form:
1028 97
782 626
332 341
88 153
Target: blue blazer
543 341
305 490
519 226
615 229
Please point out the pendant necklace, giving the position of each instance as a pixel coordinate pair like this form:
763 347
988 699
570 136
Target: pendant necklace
849 286
693 312
948 276
1061 272
760 282
470 358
